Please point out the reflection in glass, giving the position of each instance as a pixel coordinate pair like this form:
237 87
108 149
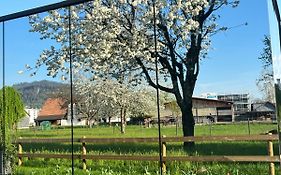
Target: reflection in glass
274 19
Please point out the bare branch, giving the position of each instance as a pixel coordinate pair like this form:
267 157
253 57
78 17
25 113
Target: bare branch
151 83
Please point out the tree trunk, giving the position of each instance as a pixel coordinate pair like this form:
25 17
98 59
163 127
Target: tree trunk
122 122
109 121
188 123
88 123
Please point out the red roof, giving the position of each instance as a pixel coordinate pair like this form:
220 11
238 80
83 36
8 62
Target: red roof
52 109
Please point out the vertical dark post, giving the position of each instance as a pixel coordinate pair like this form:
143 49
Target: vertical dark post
249 129
210 127
197 118
3 146
177 123
276 76
157 89
71 87
277 13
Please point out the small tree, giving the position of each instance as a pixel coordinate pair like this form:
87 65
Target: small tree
11 111
109 98
265 81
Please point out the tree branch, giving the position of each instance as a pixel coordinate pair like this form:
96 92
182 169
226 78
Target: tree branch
149 80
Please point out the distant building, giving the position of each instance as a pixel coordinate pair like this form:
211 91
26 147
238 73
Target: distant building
29 119
33 114
78 118
204 110
241 102
57 112
262 111
53 110
209 95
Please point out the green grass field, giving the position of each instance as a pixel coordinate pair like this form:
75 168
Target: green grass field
58 166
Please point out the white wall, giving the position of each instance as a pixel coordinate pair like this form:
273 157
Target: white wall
33 114
75 122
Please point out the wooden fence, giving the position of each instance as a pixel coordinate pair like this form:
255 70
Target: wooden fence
270 158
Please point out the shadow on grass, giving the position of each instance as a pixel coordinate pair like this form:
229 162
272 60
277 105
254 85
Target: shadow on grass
228 148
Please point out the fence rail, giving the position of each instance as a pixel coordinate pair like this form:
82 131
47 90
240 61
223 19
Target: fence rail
265 159
153 139
270 158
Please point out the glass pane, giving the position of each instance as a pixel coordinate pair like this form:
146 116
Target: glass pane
28 55
208 74
274 15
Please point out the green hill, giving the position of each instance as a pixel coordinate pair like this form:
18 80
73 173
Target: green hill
35 93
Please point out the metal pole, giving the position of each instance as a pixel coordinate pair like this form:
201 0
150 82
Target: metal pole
157 89
278 18
3 166
71 87
277 77
42 9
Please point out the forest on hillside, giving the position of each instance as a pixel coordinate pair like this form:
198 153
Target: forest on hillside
35 93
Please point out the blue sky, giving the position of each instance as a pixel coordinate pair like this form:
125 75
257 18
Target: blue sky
276 53
231 66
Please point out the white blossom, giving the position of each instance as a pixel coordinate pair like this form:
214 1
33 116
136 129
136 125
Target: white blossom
107 39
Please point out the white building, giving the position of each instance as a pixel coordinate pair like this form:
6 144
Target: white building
29 119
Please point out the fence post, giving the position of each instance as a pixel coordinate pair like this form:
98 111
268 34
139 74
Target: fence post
19 152
249 130
270 153
164 155
84 152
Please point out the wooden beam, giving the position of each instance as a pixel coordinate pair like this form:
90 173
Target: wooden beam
265 159
154 139
47 140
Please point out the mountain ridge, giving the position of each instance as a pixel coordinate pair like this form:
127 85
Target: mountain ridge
35 93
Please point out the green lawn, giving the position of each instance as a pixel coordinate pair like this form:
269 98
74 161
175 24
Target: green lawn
138 131
55 166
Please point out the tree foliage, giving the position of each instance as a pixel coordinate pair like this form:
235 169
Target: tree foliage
114 38
265 81
11 111
109 98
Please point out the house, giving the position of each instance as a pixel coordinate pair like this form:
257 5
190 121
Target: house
53 110
204 110
78 118
57 112
262 111
241 103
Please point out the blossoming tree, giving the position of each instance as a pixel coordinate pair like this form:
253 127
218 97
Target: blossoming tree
115 38
108 98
